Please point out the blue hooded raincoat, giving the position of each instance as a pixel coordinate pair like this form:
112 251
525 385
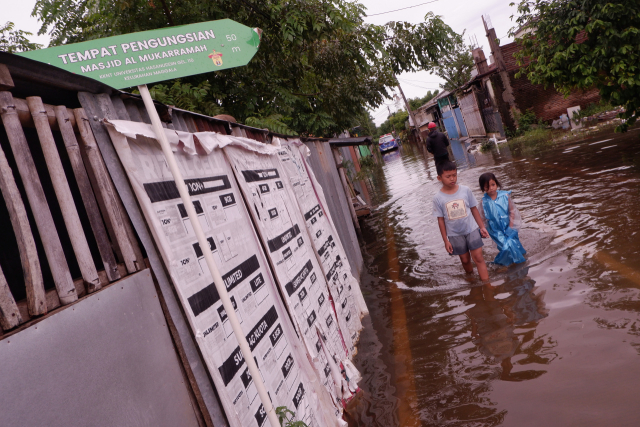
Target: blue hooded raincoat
497 215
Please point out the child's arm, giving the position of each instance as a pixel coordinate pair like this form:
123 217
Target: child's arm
443 232
476 216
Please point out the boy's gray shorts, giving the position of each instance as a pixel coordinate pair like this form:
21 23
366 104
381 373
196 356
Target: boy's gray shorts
468 242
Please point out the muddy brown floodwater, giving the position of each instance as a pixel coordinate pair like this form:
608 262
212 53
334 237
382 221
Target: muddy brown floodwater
552 342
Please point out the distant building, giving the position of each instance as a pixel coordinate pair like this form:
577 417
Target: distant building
519 94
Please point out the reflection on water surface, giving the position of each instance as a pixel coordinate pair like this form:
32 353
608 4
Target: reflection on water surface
554 342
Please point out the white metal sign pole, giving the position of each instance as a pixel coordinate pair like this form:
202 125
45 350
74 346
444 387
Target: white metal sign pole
217 279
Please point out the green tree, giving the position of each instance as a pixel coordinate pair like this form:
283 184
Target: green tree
12 40
397 119
418 102
582 44
456 65
365 126
319 65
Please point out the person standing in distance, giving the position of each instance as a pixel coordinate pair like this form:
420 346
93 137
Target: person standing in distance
437 144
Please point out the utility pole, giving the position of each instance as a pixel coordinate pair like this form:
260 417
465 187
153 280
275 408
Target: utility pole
413 117
394 126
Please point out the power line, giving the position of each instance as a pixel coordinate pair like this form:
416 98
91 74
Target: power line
408 7
421 87
417 81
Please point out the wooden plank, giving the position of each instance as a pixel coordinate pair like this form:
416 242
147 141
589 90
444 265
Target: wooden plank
9 314
103 187
88 198
27 121
26 244
110 111
37 200
6 82
63 193
95 187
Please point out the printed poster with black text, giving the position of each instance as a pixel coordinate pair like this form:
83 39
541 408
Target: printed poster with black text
302 281
283 364
333 260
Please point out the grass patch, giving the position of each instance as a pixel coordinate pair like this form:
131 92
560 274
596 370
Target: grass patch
533 139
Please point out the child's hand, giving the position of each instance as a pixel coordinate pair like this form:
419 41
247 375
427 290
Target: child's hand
483 232
448 246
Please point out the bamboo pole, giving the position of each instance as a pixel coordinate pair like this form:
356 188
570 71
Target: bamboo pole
36 300
88 198
9 314
63 194
105 191
208 256
24 114
37 200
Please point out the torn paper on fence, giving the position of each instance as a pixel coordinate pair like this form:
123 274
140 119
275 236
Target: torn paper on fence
281 226
288 375
207 140
333 259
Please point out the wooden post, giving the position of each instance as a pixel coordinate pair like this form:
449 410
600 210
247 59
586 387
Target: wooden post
114 112
37 200
105 191
63 194
347 190
88 198
36 301
9 314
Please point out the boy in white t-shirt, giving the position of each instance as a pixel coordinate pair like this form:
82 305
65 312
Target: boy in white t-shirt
460 223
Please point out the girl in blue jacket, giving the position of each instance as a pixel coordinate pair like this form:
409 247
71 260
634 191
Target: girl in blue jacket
502 220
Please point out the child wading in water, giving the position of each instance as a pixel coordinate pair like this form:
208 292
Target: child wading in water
503 220
460 223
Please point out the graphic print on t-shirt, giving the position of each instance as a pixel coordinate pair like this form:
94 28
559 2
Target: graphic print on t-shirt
456 209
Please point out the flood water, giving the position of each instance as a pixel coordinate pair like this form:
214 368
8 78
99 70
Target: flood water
552 342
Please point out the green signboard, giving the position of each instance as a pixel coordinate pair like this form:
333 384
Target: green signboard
151 56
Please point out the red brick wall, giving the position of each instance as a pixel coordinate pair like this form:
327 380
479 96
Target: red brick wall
547 104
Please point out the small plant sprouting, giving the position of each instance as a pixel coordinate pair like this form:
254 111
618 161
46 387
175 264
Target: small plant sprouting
286 418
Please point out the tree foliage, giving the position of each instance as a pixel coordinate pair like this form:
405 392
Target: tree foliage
456 65
12 40
582 44
186 96
364 125
418 102
397 120
319 65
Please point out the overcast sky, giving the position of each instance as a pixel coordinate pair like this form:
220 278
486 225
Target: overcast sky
460 15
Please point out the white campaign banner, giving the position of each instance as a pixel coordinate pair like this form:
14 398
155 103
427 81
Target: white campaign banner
303 283
288 375
344 288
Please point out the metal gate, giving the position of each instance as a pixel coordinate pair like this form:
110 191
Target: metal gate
490 114
471 114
